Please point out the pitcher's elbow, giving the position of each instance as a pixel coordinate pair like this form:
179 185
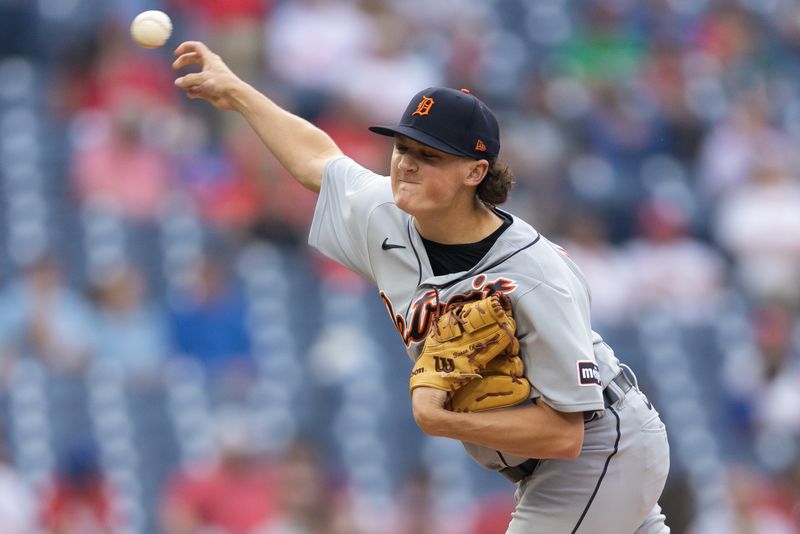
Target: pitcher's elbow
573 449
571 443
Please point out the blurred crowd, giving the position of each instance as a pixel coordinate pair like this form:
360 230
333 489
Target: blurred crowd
653 139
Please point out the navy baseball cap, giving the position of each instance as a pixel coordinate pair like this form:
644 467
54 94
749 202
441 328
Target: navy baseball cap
451 120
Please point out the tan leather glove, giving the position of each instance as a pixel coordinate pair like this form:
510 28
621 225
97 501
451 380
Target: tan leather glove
463 341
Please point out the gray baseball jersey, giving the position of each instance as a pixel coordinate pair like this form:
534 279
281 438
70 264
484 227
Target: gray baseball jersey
357 223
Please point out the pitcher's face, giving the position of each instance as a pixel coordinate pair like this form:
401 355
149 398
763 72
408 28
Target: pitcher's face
424 179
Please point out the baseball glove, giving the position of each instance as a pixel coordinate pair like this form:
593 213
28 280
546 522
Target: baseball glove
502 384
463 341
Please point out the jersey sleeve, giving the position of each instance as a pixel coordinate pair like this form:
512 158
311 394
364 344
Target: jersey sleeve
349 194
557 345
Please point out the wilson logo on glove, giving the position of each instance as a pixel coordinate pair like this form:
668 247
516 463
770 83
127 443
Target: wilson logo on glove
444 365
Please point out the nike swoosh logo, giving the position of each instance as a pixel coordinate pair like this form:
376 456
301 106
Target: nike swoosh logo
386 245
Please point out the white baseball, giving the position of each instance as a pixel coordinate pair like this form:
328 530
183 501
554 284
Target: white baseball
151 29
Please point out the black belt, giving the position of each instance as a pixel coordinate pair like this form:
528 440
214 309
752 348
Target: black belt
525 469
518 472
623 382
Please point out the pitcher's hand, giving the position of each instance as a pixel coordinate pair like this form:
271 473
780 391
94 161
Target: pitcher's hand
215 81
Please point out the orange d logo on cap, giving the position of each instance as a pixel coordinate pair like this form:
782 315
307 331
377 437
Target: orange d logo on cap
424 106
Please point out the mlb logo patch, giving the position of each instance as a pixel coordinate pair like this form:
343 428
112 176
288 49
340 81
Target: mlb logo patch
588 374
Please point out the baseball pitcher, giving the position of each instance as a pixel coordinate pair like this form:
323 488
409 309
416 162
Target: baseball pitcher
494 316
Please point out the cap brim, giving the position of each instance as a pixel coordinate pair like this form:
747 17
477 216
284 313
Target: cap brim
418 136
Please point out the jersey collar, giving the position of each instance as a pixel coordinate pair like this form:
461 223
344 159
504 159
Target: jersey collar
517 237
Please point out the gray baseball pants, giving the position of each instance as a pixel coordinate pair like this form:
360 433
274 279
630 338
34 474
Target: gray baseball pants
611 488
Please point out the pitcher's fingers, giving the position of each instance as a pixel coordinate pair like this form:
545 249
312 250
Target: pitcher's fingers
192 46
189 58
190 80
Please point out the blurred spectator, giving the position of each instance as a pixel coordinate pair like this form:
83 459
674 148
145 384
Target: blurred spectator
492 514
207 323
220 13
226 195
242 190
604 48
664 79
735 146
235 30
79 500
390 52
309 504
728 34
758 223
129 77
17 501
536 146
136 188
234 27
346 122
40 316
759 506
315 67
671 270
233 494
131 331
415 509
623 130
762 377
105 72
585 240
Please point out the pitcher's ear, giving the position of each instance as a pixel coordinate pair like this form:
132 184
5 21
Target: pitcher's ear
477 172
